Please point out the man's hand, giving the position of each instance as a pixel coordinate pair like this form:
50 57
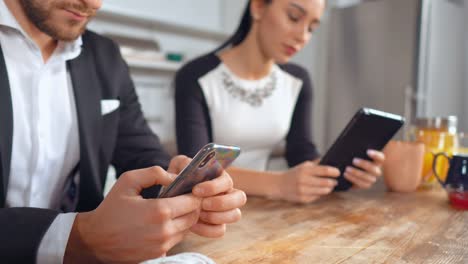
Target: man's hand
178 163
221 202
127 228
220 205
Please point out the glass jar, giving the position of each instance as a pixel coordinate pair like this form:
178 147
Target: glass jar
438 135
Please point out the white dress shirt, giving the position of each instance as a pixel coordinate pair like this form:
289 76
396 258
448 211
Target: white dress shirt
45 145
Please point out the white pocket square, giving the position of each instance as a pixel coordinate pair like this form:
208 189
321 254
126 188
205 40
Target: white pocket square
109 105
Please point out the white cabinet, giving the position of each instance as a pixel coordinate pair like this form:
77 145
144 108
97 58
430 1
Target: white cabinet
157 99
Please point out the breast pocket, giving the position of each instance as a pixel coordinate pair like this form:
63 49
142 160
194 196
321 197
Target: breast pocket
110 111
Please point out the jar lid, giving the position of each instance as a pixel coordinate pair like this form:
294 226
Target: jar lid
448 123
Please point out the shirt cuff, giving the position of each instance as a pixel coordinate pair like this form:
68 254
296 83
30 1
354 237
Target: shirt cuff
54 242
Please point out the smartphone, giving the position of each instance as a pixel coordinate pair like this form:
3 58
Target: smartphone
206 165
368 129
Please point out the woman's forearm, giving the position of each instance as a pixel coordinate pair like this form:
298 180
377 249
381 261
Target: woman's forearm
261 183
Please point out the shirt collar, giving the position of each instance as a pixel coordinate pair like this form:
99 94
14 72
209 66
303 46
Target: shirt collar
7 19
68 50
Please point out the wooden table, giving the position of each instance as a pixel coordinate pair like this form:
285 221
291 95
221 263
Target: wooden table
352 227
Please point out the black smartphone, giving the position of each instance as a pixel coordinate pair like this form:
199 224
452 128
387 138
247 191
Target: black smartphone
205 166
368 129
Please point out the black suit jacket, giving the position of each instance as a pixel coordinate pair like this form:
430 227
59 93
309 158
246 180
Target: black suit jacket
121 138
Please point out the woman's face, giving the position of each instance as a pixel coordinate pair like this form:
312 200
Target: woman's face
285 26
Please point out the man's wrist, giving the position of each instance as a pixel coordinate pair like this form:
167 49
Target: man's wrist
78 247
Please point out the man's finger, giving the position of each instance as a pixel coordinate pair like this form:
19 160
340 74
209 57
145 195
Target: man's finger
214 187
163 245
233 199
219 218
207 230
185 222
137 180
176 206
178 163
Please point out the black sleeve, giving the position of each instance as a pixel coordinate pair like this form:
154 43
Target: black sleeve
21 232
299 145
193 123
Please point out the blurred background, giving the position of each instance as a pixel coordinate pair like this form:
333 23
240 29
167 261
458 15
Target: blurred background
404 56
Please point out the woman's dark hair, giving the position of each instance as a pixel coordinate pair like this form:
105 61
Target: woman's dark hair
242 30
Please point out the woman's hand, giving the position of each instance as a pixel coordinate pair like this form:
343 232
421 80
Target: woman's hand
305 182
368 172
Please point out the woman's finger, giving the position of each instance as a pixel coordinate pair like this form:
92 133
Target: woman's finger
359 178
368 166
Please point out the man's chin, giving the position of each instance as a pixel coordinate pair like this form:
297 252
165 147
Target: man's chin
67 34
69 38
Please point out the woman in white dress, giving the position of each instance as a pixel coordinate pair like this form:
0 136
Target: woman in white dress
247 94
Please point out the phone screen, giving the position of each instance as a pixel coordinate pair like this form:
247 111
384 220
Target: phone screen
207 164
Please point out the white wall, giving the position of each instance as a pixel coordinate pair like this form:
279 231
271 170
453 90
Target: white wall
199 13
232 11
444 61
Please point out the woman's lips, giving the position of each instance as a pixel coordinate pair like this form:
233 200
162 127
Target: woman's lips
290 50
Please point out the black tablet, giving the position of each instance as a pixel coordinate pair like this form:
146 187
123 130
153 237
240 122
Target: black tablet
368 129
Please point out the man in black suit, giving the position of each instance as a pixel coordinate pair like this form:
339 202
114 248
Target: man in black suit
68 109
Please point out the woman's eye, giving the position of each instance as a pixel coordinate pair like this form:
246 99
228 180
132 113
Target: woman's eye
293 18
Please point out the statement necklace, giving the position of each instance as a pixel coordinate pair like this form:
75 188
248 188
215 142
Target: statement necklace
253 97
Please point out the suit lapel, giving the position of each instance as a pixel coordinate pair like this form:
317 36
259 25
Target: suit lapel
6 129
87 98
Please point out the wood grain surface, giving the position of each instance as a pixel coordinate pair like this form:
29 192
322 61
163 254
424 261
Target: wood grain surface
353 227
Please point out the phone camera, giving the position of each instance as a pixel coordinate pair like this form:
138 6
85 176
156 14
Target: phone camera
207 159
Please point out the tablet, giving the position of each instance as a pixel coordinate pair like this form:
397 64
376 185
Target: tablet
368 129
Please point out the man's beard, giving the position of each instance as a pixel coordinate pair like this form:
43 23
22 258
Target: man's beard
39 12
